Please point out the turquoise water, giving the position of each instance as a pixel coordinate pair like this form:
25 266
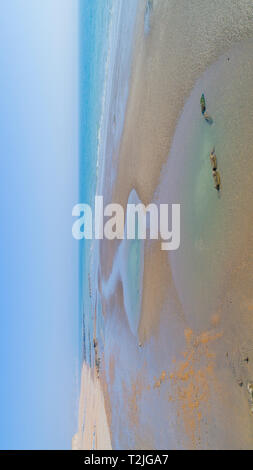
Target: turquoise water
95 17
94 26
132 273
214 225
105 29
128 268
134 281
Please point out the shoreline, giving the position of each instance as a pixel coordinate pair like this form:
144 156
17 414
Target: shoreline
153 112
145 369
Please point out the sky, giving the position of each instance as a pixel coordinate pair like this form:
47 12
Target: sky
39 317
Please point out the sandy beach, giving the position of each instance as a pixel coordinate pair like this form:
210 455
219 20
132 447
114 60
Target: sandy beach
93 431
160 84
178 378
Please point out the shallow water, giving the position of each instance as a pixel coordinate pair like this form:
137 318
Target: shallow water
128 269
214 225
213 231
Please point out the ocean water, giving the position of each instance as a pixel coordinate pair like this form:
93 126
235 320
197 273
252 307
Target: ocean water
95 26
106 29
94 31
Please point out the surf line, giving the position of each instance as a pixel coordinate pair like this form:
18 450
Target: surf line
132 225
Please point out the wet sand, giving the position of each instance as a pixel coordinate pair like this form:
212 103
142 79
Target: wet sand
180 379
183 40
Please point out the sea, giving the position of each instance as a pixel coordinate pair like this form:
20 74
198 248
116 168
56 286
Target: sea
103 69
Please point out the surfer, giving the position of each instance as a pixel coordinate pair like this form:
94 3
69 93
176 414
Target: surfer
216 177
213 159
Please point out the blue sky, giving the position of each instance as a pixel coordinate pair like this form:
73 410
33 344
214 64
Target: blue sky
39 320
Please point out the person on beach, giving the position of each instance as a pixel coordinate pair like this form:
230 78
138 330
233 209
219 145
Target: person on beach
208 118
213 159
204 113
203 104
216 177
